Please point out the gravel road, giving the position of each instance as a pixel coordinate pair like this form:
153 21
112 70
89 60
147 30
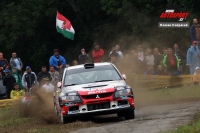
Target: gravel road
152 119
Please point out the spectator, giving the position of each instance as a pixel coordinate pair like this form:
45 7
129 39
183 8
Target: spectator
57 61
132 53
149 59
16 93
113 59
16 62
165 51
43 74
141 57
196 76
18 77
193 60
74 62
149 71
159 70
171 63
29 79
179 54
117 49
195 31
48 87
67 65
113 49
8 81
2 88
136 65
97 53
83 57
157 58
55 76
166 72
3 64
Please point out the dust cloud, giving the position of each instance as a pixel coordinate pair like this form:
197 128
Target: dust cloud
41 107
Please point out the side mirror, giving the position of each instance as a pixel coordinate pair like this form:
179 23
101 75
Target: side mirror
124 76
59 84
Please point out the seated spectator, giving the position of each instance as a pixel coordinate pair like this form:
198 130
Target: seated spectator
166 72
16 93
196 76
74 62
48 87
159 70
149 71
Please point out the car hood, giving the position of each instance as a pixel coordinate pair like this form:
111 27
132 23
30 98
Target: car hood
94 88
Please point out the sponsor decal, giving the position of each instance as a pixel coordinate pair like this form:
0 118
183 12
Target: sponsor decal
96 91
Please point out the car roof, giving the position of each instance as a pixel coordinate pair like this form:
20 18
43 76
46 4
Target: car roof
82 65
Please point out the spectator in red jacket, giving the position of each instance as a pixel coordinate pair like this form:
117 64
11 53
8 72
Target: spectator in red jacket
97 53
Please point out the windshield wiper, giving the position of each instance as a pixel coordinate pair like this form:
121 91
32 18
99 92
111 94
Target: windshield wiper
70 85
103 80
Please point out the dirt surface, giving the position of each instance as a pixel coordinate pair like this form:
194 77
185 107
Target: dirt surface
152 119
157 110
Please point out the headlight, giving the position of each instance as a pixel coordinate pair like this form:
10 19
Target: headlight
123 92
70 98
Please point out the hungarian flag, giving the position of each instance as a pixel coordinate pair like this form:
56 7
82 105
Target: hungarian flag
64 26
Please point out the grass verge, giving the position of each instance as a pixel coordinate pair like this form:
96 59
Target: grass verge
194 127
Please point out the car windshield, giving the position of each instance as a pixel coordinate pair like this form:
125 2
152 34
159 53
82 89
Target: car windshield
91 75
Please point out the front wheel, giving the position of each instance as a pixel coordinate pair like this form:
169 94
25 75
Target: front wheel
62 119
129 114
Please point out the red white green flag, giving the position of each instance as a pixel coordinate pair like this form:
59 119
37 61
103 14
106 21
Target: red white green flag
63 26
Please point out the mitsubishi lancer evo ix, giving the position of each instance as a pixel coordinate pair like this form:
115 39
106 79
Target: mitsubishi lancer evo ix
93 89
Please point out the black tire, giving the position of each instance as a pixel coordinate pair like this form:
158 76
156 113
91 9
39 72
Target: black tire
120 114
129 114
63 119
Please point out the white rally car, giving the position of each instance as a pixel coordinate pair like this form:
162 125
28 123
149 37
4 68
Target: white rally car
93 89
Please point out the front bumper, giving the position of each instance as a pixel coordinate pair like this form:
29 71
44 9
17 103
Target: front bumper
98 108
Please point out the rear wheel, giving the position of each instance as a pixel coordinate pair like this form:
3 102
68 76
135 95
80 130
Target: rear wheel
129 114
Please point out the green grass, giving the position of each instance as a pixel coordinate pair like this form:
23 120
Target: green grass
194 127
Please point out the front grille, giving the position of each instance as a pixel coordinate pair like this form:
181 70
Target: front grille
105 105
74 108
94 96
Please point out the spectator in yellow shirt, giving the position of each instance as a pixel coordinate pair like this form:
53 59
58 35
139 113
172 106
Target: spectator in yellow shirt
16 93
